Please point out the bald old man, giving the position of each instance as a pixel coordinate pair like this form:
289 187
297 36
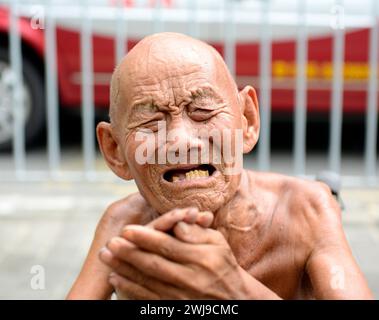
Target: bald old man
205 229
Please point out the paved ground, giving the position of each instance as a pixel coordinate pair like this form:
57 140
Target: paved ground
51 225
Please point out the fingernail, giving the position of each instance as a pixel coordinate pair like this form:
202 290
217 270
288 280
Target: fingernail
183 226
114 244
128 233
105 255
102 250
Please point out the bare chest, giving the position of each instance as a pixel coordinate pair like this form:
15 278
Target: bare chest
274 258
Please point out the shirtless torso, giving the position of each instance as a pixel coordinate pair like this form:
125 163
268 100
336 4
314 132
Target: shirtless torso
293 247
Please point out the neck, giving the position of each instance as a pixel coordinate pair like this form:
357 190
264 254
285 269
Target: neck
222 215
244 215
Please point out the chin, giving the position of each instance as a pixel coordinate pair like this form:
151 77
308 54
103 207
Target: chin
182 186
204 200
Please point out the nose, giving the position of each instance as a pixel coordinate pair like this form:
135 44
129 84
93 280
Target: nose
184 144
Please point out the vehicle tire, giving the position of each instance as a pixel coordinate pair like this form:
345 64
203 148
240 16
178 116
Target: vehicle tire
34 101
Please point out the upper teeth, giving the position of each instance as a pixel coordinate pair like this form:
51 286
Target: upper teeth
193 174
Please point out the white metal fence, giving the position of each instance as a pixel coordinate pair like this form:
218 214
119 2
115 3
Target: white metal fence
192 15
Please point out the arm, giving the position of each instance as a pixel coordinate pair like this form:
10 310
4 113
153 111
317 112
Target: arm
331 266
92 282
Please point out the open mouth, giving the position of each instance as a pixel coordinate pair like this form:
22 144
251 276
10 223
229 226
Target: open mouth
196 172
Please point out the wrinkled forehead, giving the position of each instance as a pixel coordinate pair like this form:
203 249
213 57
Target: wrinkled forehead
166 70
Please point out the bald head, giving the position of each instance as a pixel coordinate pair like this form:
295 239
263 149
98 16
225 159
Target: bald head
162 62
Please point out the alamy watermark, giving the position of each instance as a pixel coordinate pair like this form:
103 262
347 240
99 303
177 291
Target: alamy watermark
337 281
37 20
38 279
218 147
337 18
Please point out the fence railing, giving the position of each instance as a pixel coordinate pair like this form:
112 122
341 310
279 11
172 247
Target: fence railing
194 17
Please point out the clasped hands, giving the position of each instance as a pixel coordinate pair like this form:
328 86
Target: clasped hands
176 256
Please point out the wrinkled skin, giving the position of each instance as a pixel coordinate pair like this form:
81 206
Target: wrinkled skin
243 236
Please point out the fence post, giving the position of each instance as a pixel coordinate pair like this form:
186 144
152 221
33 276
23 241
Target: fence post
15 57
372 94
300 115
88 114
337 93
121 33
51 68
230 36
265 88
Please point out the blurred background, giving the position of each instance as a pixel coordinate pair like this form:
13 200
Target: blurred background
314 65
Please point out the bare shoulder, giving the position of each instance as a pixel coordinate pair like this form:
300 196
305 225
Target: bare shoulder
132 209
306 215
306 199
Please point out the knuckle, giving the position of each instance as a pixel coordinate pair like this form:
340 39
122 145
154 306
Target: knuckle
174 214
125 270
222 256
166 250
142 280
115 263
153 264
211 259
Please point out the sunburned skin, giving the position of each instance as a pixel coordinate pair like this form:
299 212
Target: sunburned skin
206 234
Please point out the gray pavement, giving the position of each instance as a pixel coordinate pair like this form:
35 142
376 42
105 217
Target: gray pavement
51 225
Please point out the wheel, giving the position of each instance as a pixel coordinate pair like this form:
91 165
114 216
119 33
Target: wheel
33 101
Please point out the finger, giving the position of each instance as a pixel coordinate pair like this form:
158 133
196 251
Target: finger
125 269
150 264
160 243
127 289
162 289
204 219
107 257
129 272
192 233
168 220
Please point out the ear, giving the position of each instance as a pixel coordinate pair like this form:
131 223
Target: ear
250 118
111 151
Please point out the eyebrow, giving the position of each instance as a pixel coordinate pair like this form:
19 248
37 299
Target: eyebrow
140 102
213 94
194 93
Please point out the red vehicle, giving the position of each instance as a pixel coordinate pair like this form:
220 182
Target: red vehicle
319 64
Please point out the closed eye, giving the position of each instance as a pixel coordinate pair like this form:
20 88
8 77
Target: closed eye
199 114
150 123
